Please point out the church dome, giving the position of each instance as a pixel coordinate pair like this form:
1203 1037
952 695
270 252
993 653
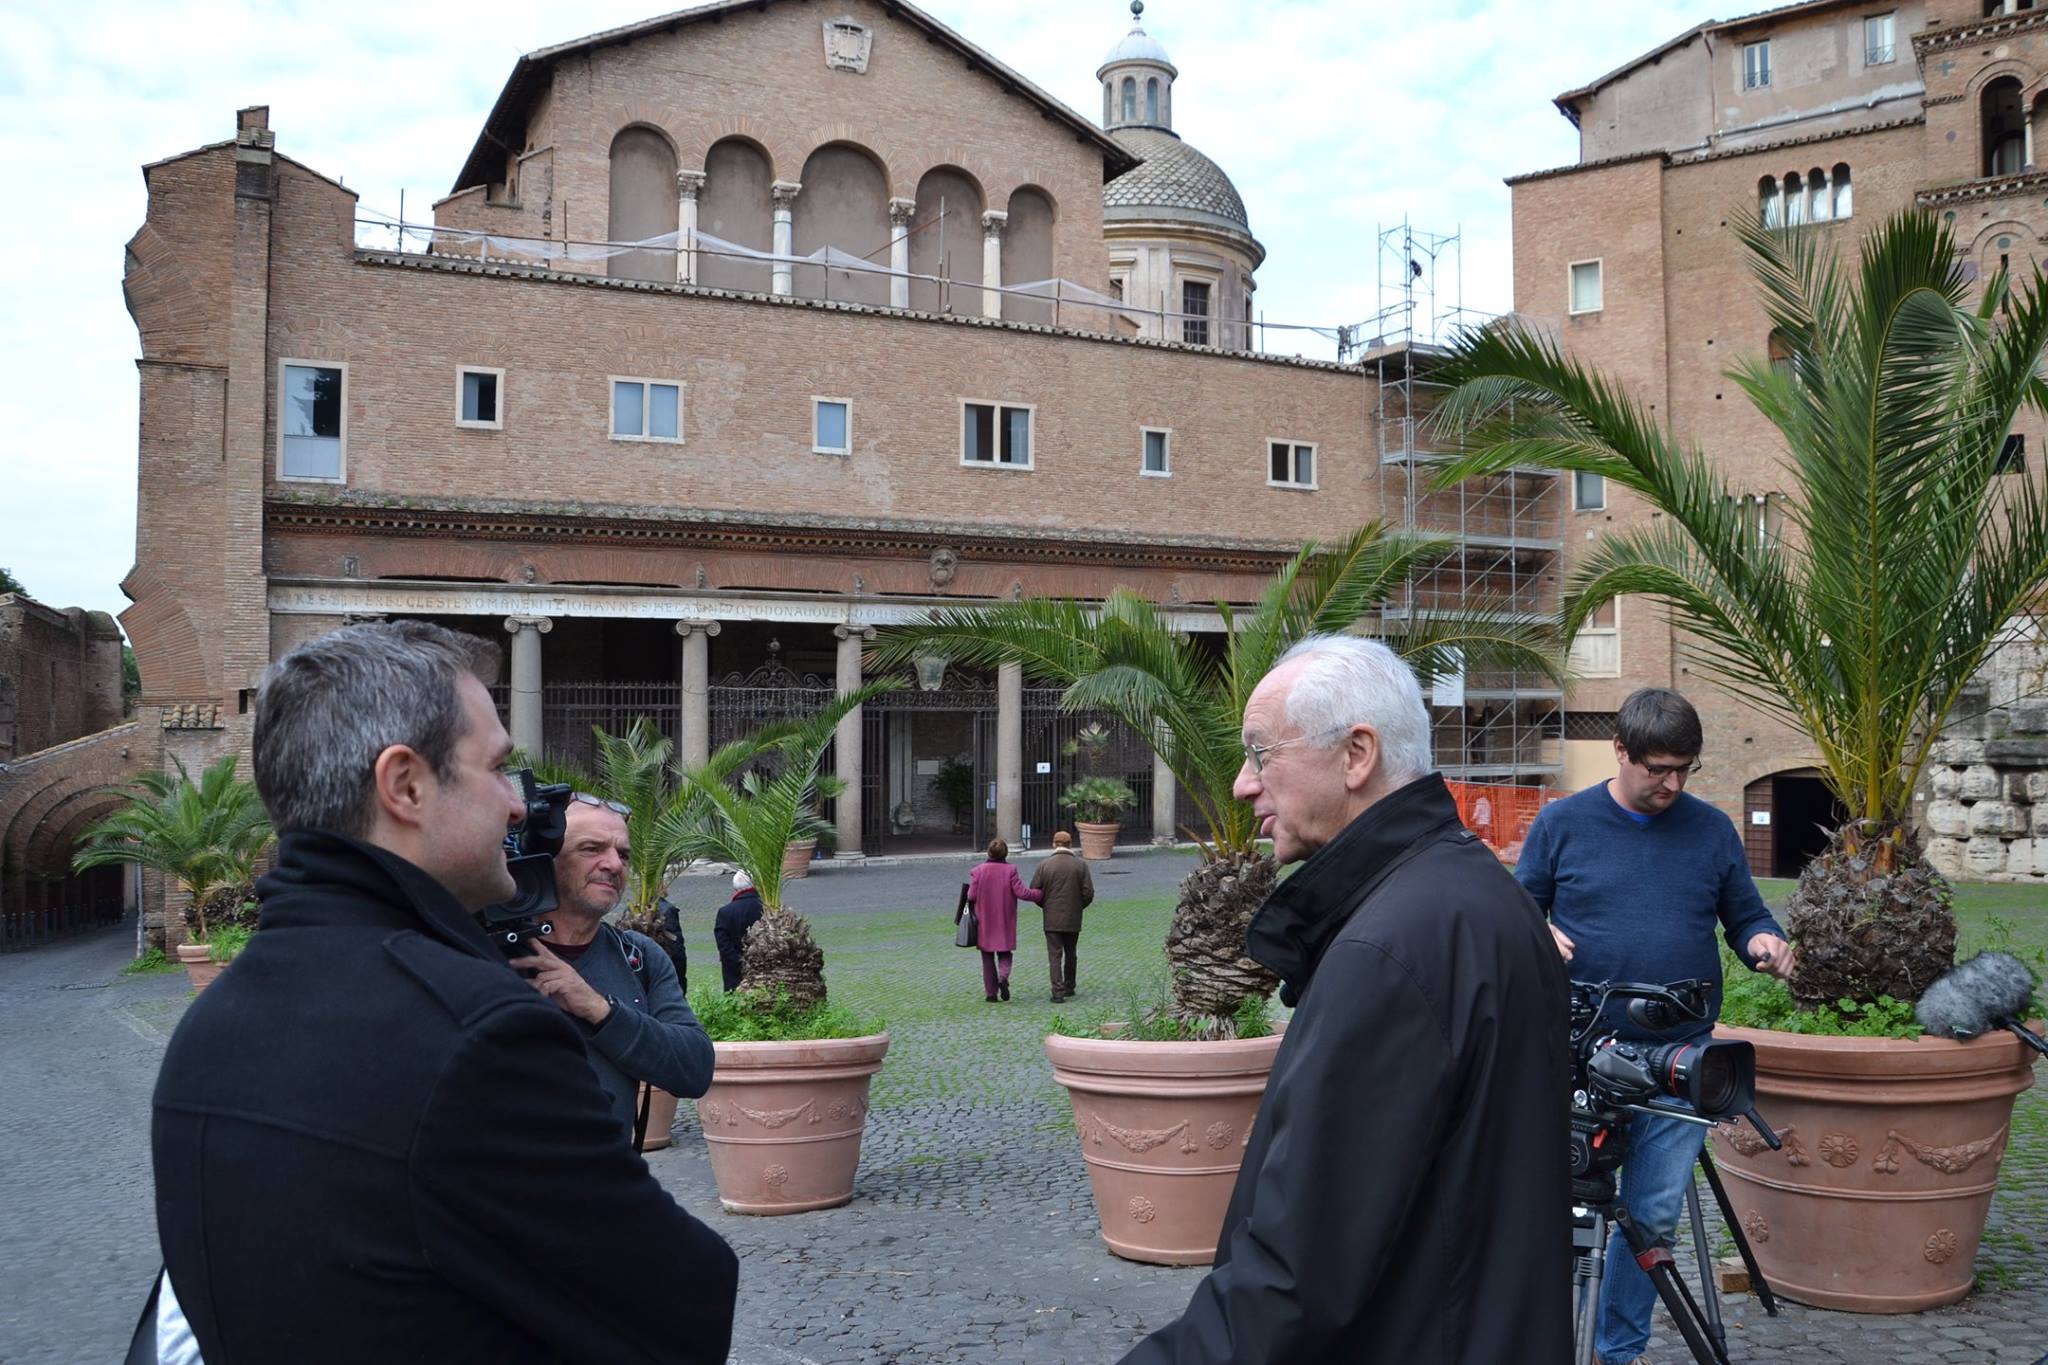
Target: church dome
1174 181
1136 46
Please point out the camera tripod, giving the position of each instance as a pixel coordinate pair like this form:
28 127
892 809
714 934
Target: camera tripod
1598 1209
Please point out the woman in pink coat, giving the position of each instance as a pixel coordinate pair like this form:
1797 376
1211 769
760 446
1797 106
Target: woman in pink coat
993 889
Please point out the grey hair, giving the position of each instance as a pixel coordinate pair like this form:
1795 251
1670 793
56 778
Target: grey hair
330 706
1347 680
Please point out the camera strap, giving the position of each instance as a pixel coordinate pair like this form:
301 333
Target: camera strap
637 961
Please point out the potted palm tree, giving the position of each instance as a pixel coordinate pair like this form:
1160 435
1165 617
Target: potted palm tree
1161 1183
1907 562
788 1098
1097 802
205 835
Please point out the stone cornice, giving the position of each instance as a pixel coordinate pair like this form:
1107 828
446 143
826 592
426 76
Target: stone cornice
798 534
1962 35
1995 187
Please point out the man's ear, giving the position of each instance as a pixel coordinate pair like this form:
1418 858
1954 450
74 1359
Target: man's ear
403 782
1361 757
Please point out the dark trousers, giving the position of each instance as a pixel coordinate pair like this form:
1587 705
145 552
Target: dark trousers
1059 959
995 969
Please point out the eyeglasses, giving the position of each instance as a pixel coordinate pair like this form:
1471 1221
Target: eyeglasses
1660 771
619 808
1255 754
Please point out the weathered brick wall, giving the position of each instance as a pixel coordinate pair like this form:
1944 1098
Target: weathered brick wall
48 798
60 675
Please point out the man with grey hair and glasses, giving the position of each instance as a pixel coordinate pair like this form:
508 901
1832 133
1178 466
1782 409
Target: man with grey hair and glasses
372 1139
1405 1193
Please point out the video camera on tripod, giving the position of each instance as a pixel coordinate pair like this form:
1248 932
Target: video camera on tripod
1704 1082
530 850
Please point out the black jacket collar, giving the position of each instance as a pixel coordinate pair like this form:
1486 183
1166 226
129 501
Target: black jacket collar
1305 912
330 880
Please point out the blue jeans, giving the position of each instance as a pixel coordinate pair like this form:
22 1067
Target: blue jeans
1654 1179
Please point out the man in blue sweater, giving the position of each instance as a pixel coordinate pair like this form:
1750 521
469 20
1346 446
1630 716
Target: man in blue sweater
1635 875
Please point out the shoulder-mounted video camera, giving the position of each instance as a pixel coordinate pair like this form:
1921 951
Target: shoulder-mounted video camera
530 851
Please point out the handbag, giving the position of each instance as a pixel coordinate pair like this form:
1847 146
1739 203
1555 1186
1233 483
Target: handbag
968 933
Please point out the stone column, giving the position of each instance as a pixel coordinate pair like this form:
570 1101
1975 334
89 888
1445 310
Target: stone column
848 758
689 186
1010 753
1165 796
693 738
784 193
992 225
526 716
901 211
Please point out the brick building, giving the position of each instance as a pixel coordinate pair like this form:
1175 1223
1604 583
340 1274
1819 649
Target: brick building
1828 116
744 331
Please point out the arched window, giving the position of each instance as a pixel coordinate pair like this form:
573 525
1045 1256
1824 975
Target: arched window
1027 254
1844 201
945 241
1108 101
1819 208
1152 100
736 207
1779 348
1130 100
2004 127
643 204
1795 200
844 206
1767 202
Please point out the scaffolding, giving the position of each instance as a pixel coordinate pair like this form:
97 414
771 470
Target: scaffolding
1501 727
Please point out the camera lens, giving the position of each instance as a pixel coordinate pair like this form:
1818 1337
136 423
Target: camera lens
1718 1079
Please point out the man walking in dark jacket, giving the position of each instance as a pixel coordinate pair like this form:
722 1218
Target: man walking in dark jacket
1069 889
729 930
372 1140
1405 1196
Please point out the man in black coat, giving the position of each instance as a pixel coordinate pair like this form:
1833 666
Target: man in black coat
729 930
1405 1196
373 1141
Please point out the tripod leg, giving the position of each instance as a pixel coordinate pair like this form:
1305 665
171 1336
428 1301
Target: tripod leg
1756 1274
1710 1289
1590 1269
1655 1259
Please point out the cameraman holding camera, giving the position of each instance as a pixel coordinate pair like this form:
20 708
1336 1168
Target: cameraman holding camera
620 985
1635 874
372 1140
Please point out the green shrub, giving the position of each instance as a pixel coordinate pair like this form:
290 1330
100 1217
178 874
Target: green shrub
1098 800
150 963
226 940
1144 1020
741 1017
1759 1000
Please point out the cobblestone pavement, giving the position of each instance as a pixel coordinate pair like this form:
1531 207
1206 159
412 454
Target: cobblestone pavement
971 1236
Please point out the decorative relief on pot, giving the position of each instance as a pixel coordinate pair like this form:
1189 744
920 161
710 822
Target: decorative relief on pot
853 1109
1940 1245
1753 1223
1838 1149
1795 1150
775 1177
1142 1209
775 1118
711 1113
1220 1134
1094 1129
1948 1160
1742 1138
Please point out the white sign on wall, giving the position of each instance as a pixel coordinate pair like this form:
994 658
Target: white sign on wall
1759 817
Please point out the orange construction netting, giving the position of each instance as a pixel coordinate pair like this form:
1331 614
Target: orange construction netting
1500 815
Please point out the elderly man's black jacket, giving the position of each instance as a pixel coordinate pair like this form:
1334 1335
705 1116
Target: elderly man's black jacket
1406 1193
374 1142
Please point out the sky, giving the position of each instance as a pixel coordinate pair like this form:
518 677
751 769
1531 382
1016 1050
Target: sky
1337 119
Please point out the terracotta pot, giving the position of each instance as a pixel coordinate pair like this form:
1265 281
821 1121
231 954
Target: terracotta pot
199 964
796 859
1097 841
1891 1155
783 1121
1163 1129
661 1116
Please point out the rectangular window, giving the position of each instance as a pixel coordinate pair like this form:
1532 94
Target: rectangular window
1596 649
1586 286
1589 493
1194 303
312 422
995 434
1880 43
1756 65
477 400
1156 453
832 426
2012 456
1290 464
1762 518
646 410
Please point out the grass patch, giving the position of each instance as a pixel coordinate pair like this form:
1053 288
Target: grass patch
151 963
739 1017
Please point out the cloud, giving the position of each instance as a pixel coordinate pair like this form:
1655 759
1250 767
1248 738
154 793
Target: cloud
1336 119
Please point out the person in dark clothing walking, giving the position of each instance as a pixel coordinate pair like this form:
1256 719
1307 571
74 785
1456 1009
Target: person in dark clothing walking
1069 889
1405 1195
1586 863
735 917
372 1140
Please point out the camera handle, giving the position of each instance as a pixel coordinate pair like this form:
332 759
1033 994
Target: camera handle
1756 1121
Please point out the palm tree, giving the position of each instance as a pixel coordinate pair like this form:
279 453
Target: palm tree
1909 560
1125 658
206 836
751 823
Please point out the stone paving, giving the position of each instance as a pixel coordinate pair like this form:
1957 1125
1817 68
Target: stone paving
971 1236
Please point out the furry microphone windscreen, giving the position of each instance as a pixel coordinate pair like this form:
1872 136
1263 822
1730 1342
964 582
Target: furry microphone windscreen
1978 995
